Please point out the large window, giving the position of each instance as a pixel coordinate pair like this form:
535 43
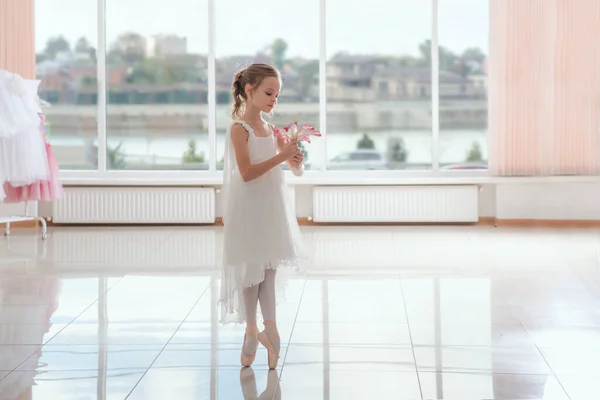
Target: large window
378 85
462 53
402 90
66 41
156 84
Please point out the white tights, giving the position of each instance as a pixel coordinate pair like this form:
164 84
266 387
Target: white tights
263 293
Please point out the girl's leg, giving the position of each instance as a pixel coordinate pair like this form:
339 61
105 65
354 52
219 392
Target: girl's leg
250 305
266 296
269 337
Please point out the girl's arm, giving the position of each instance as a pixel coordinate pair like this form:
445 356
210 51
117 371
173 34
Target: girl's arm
295 163
249 171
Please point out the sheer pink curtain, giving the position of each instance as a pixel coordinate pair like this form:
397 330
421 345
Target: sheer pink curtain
17 37
544 87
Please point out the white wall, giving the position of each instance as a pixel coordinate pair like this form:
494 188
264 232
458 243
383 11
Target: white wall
559 201
487 201
564 201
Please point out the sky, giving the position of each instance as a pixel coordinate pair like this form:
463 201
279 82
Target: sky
243 27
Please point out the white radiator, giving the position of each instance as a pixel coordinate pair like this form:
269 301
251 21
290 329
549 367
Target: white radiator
135 205
409 204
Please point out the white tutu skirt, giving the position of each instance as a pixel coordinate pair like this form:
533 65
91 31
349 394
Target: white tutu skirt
261 232
23 158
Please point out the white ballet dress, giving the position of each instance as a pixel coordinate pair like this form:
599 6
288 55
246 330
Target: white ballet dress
18 109
260 226
23 155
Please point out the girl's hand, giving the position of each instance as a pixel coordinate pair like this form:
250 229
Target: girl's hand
297 160
291 150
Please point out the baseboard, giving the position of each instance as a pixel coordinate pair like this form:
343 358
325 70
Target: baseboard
546 223
483 221
306 221
21 224
487 221
309 222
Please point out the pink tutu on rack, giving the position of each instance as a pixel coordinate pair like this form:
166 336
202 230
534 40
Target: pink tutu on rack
46 190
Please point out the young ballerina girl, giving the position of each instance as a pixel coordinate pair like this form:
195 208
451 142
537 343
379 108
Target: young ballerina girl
261 232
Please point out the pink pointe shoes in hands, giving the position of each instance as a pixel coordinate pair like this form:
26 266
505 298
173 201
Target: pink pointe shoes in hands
297 134
294 132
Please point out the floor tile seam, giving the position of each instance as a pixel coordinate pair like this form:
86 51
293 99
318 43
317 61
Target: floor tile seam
538 348
411 338
290 336
168 341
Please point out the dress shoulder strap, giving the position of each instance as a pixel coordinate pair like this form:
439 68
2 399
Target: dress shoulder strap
246 126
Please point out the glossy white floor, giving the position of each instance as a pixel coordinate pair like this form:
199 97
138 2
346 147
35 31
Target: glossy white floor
382 313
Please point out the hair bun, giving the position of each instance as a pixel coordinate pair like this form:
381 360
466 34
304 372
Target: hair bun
239 74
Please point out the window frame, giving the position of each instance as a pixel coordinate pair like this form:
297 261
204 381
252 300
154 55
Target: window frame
102 175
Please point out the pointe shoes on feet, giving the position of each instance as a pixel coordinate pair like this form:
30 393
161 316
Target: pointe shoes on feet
272 343
269 338
245 358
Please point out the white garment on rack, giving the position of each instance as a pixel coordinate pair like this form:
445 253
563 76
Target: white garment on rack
18 109
23 157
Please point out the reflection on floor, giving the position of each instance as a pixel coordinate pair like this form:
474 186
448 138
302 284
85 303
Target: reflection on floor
381 313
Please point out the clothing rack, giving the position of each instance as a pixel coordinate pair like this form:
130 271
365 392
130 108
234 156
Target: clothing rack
25 217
